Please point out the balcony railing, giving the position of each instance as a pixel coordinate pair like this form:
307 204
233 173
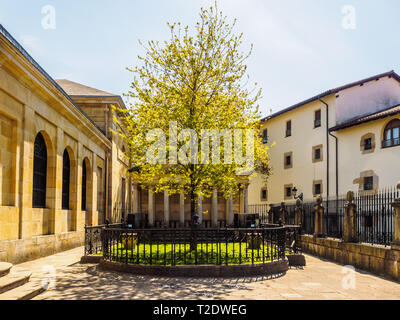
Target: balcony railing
390 143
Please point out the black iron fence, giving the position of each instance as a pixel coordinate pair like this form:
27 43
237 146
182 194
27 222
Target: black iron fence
173 247
93 244
374 216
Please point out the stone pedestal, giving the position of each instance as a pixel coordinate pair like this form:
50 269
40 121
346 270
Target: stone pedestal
319 219
282 214
298 214
350 230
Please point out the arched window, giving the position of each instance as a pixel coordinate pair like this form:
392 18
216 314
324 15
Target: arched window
392 134
39 172
84 185
66 180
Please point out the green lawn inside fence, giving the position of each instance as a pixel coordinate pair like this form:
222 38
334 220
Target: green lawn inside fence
180 254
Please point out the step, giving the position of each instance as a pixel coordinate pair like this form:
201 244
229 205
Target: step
24 292
5 268
17 277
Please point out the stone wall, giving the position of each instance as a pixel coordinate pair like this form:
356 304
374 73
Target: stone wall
380 260
21 250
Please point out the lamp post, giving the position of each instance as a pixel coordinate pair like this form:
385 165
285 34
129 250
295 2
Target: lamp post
300 196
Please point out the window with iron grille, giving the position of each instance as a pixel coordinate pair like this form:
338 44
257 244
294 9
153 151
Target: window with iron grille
66 180
288 160
84 186
368 144
317 119
288 128
317 154
368 183
39 173
288 192
265 136
317 189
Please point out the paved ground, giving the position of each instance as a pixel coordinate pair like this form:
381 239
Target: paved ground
319 280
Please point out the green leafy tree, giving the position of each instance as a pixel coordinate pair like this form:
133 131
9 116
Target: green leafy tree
194 82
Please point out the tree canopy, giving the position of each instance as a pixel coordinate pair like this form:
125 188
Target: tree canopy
182 89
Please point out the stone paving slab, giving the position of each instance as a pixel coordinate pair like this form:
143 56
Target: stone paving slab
319 280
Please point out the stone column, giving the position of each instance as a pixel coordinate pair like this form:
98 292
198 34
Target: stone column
151 208
246 199
229 211
349 232
319 219
215 208
298 214
166 209
182 209
94 217
136 205
396 222
200 209
55 185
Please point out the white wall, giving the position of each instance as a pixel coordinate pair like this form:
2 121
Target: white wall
373 96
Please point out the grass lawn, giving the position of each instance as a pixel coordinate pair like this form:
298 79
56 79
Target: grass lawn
180 254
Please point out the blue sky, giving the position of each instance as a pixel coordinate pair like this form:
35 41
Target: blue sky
300 47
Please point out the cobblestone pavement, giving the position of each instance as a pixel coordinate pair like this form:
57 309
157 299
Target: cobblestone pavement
319 280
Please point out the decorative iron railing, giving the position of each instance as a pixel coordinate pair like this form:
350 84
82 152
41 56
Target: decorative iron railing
93 243
171 247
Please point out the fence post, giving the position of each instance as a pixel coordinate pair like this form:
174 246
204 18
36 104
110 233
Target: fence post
396 222
350 232
319 219
283 213
298 215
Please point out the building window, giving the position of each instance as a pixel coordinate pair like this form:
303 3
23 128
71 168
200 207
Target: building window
265 136
288 128
84 178
317 119
288 160
317 189
66 180
288 193
368 144
264 194
39 173
392 134
368 183
317 154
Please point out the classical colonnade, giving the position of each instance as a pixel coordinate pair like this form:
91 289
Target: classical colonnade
214 207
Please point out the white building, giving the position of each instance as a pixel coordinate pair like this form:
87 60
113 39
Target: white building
346 138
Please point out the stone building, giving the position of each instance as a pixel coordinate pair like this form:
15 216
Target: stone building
344 139
60 166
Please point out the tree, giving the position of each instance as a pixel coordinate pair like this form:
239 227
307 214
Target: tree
184 87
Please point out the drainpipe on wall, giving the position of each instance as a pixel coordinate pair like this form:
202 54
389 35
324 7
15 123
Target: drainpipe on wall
327 147
327 153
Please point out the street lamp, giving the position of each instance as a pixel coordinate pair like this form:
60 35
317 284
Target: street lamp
300 196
